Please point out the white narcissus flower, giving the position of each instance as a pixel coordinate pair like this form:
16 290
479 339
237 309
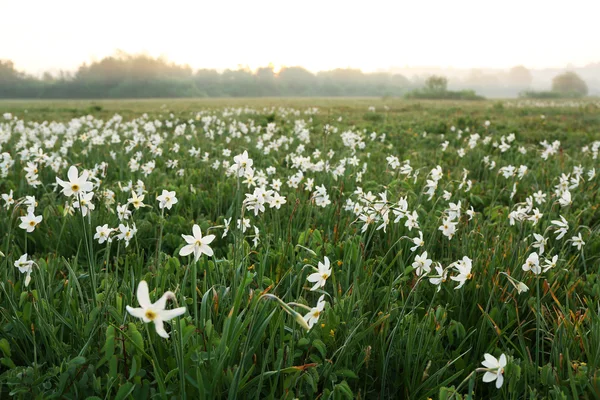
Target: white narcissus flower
320 277
126 233
76 184
418 241
422 264
30 221
577 241
565 199
166 199
463 267
550 263
154 312
562 226
25 267
532 264
448 228
313 315
242 163
135 200
540 243
85 203
494 368
442 275
471 213
197 244
122 212
103 233
8 199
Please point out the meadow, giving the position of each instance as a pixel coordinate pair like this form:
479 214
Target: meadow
299 248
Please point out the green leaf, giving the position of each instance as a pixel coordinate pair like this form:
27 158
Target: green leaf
125 390
319 345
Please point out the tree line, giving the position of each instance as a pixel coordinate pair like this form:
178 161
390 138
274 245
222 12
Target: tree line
141 76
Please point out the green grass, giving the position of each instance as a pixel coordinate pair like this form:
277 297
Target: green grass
385 332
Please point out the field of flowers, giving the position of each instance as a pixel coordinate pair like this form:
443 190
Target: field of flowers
355 249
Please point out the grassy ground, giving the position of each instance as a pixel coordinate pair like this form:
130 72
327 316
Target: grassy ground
408 308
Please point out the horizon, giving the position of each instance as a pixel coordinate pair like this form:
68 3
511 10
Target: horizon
277 68
65 34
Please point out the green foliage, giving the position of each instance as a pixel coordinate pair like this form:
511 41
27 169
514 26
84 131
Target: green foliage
140 76
569 82
384 332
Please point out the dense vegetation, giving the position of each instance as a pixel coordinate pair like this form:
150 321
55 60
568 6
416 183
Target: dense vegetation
383 250
140 76
436 88
127 76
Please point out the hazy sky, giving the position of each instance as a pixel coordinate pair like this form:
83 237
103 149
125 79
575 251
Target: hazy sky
45 34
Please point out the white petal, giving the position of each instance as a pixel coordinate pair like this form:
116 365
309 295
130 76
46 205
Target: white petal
502 361
314 277
162 302
208 239
206 250
166 315
187 250
499 381
142 295
490 361
197 232
160 328
72 174
136 312
489 377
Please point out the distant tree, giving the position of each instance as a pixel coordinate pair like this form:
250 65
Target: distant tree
519 76
400 80
296 74
569 82
436 83
478 78
8 73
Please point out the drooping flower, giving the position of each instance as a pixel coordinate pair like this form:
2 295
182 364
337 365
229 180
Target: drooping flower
197 244
25 267
313 315
463 267
154 312
494 369
442 275
418 241
562 226
532 264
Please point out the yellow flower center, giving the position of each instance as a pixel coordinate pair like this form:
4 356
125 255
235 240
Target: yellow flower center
75 188
151 315
31 223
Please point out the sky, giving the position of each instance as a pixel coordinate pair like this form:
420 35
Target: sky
40 35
